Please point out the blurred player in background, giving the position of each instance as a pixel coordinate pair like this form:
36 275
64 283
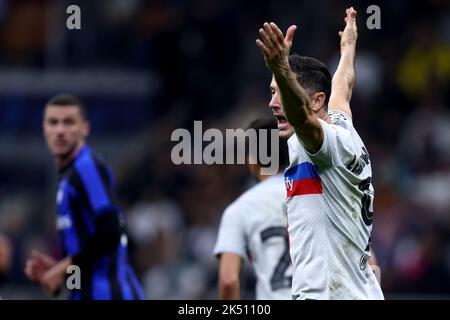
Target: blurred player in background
90 224
330 194
254 227
5 257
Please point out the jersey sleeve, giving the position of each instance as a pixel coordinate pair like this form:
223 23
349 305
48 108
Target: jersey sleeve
337 146
231 236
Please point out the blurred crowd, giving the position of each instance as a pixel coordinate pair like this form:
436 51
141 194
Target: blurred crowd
205 66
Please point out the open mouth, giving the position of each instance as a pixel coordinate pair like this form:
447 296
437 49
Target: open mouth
281 119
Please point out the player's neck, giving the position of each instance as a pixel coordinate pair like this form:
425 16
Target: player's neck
63 161
323 114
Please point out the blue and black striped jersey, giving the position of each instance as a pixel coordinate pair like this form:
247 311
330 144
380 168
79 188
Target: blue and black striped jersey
92 230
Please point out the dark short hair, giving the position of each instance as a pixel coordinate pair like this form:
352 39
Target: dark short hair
312 74
270 123
65 100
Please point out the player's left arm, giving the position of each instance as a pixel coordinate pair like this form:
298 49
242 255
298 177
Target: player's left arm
344 78
229 276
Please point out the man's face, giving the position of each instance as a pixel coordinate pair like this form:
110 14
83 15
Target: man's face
284 128
64 129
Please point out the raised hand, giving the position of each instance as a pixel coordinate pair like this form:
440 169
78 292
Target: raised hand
350 33
275 47
345 76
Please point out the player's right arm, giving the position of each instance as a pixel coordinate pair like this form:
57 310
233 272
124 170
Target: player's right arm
229 276
344 77
296 103
230 248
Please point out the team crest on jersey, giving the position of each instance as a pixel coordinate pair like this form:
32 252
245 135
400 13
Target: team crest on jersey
63 222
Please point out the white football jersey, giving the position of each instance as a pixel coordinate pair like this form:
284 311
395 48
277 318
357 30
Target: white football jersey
254 227
330 212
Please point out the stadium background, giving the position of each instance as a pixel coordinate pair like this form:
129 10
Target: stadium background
145 68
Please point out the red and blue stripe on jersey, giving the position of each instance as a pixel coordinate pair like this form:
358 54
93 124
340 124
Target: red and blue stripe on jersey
302 179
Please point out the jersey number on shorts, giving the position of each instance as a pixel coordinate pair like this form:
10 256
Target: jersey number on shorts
278 280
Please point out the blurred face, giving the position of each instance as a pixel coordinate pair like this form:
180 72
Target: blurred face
284 128
65 130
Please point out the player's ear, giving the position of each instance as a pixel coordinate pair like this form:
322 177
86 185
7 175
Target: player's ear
317 101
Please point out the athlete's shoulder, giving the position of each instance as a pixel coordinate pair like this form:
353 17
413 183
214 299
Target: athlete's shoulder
264 190
242 205
343 124
92 170
267 190
340 119
88 159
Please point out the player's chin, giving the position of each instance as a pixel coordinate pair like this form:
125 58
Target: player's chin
285 132
59 150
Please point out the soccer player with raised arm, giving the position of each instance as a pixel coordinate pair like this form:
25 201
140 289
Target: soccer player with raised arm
90 224
329 179
253 227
